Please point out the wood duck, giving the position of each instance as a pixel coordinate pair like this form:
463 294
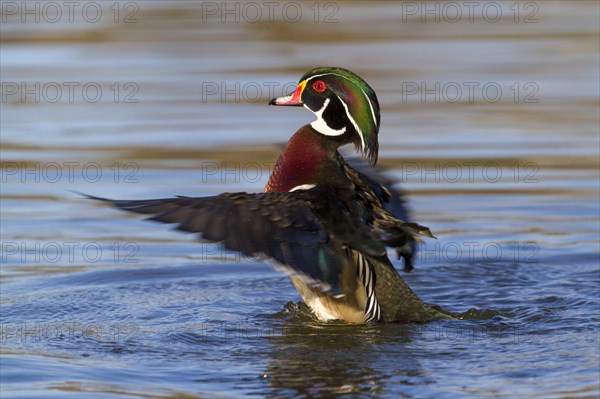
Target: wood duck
323 222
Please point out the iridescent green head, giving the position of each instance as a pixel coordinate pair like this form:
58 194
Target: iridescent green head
345 106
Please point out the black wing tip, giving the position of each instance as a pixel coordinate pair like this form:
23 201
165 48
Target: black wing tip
408 260
88 196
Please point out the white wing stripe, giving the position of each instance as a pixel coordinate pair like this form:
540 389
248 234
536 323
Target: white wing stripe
372 309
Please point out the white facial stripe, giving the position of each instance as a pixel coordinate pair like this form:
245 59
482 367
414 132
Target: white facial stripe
370 106
328 73
321 126
360 133
302 187
361 89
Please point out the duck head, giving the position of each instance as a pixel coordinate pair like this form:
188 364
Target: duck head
345 105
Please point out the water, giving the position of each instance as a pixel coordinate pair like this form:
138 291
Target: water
97 304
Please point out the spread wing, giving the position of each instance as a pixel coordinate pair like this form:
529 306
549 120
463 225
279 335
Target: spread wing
306 232
378 189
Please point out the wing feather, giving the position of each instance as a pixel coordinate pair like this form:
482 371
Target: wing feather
304 231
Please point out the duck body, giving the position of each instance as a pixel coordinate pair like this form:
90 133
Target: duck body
309 160
322 222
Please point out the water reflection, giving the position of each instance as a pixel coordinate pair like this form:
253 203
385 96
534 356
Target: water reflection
309 360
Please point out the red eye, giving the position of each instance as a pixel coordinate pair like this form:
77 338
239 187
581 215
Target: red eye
319 86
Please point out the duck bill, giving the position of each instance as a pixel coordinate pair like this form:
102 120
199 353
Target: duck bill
294 99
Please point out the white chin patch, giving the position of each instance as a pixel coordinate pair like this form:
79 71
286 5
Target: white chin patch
302 187
321 126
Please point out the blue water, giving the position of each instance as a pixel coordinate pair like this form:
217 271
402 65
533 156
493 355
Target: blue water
98 304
